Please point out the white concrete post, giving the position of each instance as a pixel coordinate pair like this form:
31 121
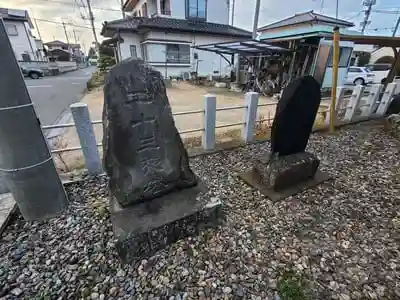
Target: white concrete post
353 103
339 97
84 128
210 106
251 100
372 98
386 98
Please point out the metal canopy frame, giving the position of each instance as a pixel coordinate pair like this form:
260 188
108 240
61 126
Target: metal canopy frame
245 48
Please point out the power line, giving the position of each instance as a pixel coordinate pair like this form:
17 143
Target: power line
73 4
382 11
70 24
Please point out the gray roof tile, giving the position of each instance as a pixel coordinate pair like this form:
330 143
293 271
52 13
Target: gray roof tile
137 23
309 16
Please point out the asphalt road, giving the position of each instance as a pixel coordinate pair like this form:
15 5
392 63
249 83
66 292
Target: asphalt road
52 96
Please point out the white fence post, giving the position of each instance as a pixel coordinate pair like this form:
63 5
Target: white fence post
339 97
373 97
386 98
84 128
251 100
210 106
353 103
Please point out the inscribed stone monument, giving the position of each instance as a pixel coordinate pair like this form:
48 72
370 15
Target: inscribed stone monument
288 169
155 197
144 154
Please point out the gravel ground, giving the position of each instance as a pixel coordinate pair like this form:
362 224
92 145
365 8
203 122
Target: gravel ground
342 237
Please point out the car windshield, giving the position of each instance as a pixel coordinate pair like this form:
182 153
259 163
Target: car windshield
367 70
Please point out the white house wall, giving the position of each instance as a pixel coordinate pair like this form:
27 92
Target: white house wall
130 39
381 52
208 61
21 42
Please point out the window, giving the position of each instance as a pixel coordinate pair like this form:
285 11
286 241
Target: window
178 53
196 9
132 48
354 70
11 29
26 57
344 57
165 7
378 67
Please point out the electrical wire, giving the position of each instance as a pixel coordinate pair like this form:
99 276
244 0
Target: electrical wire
73 4
70 24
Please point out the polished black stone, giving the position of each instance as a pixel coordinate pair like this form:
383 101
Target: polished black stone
295 116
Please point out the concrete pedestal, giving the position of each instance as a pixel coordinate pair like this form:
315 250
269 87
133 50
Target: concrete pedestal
144 228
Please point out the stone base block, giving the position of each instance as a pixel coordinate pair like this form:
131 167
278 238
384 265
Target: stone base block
282 177
144 228
283 172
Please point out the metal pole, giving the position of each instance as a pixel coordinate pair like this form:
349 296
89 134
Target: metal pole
25 160
233 11
66 35
335 64
396 27
364 23
256 15
37 29
91 17
76 40
122 9
337 9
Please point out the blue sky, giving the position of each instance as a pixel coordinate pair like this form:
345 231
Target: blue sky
271 11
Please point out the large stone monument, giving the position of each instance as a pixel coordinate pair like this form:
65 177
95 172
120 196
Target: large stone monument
155 197
288 169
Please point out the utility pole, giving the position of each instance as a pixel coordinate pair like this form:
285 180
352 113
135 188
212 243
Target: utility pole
91 17
367 14
26 163
76 40
396 27
233 11
66 34
122 9
256 15
37 29
337 9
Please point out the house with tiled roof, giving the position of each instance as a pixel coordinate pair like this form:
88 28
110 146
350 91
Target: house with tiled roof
162 32
19 30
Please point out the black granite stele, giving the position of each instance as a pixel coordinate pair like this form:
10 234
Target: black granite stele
155 197
288 169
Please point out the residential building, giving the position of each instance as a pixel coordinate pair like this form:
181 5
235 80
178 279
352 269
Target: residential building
19 29
61 51
162 32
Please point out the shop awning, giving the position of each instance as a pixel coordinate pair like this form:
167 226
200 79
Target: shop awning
246 48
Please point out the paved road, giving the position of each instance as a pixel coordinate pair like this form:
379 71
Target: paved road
53 95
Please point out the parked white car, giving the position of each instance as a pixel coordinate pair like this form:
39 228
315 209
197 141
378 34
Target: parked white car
381 71
359 76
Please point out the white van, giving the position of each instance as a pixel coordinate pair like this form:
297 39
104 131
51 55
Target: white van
381 71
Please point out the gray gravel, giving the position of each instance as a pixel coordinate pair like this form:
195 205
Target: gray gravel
343 236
